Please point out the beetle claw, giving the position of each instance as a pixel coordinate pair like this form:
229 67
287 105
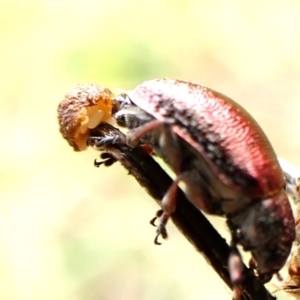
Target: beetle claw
161 227
158 214
161 231
97 164
152 221
156 242
107 160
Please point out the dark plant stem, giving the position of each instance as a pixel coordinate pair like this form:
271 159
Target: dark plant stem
189 220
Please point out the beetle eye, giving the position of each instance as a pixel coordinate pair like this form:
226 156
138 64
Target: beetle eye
121 101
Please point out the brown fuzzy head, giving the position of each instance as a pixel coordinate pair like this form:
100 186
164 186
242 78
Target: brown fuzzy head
83 108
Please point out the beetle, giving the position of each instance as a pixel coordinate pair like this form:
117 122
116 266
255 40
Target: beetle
223 157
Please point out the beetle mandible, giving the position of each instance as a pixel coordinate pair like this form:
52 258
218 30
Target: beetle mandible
225 160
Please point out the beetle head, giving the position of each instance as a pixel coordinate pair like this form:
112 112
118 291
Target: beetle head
121 101
267 229
127 114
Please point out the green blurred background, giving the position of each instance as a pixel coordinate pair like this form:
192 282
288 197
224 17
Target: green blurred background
71 231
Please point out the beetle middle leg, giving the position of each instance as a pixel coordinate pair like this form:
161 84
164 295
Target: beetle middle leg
168 204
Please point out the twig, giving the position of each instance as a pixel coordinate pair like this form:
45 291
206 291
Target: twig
189 220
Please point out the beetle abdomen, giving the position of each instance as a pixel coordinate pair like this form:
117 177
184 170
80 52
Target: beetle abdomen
220 129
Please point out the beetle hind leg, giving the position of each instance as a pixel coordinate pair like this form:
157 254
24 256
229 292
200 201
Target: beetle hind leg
236 271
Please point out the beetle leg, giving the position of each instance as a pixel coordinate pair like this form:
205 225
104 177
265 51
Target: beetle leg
168 204
158 215
134 135
236 270
107 160
161 228
100 142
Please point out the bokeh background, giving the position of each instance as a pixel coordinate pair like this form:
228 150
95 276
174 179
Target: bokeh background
71 231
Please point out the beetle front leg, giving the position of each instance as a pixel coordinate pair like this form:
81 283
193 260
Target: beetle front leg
107 160
99 142
134 135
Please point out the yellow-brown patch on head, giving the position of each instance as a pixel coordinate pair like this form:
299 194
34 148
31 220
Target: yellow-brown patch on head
83 108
